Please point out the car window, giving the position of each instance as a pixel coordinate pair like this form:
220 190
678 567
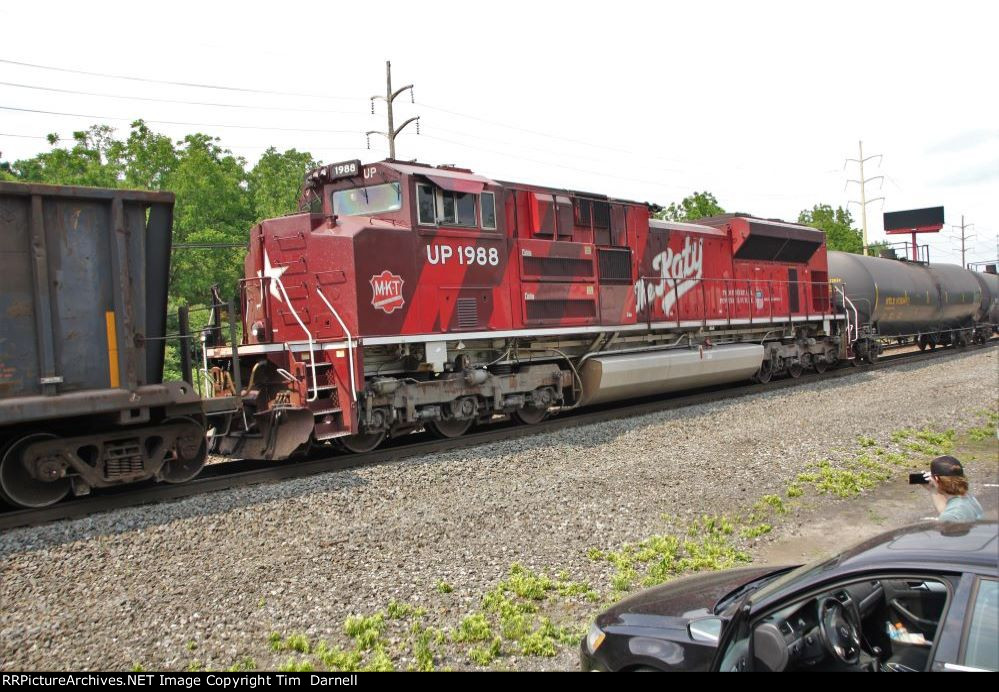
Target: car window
833 627
981 649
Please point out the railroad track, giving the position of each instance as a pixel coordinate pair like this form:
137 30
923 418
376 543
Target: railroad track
238 473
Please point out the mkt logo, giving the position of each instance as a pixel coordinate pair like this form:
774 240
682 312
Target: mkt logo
386 292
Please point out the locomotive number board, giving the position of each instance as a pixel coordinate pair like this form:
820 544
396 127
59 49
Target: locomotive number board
344 169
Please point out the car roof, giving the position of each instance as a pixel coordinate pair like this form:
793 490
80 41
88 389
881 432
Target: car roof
933 544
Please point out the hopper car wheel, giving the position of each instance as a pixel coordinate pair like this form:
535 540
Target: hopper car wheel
17 487
765 373
820 365
361 442
529 415
192 453
923 343
449 428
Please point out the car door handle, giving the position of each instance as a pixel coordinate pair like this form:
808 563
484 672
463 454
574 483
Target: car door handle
897 605
926 586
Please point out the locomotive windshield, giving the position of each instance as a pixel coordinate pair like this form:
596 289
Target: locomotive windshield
366 201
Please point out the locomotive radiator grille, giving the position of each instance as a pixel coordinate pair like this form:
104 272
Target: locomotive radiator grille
468 313
615 266
122 459
559 309
558 267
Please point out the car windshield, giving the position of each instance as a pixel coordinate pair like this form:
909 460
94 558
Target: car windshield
748 587
794 575
366 201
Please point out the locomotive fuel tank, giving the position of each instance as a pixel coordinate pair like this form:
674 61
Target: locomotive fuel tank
627 376
903 298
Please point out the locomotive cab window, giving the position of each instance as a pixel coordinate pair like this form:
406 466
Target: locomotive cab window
367 201
458 208
437 207
487 204
426 205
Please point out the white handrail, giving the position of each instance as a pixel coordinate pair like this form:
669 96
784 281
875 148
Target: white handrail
350 344
312 354
848 305
856 317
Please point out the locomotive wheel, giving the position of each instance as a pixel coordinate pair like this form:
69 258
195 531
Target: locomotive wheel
765 373
17 487
820 365
794 369
529 415
449 428
361 442
192 453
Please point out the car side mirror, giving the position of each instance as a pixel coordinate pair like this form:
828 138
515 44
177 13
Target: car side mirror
707 630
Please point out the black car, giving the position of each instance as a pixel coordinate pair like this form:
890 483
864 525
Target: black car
924 597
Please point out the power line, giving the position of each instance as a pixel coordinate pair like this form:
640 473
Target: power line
196 85
177 122
190 103
322 96
236 145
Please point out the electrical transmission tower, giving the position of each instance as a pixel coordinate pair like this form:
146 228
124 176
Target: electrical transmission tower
862 182
390 96
964 237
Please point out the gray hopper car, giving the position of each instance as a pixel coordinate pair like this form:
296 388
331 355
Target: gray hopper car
83 296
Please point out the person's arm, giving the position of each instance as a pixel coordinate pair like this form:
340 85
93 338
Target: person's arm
939 499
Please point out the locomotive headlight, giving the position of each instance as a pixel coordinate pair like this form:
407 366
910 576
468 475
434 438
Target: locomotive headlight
594 638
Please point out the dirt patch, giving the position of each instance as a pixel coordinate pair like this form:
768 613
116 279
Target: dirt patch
833 526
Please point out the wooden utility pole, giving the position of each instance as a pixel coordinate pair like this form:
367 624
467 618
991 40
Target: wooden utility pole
390 96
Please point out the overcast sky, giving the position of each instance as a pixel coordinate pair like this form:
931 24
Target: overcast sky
757 102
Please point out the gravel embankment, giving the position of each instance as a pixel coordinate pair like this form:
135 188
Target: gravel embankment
209 577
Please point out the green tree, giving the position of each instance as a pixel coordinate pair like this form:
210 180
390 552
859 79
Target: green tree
147 158
698 205
276 181
838 226
213 206
94 159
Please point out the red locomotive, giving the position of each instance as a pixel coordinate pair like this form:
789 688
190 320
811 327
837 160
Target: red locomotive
412 296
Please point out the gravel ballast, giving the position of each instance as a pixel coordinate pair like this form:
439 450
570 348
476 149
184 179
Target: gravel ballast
208 578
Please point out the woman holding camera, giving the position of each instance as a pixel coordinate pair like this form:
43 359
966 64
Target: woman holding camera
949 491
